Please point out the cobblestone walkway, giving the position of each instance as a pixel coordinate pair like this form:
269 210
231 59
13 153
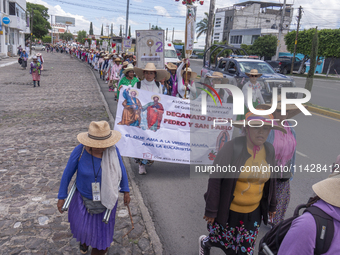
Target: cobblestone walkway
38 129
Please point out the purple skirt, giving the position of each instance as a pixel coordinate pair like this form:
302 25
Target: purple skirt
90 229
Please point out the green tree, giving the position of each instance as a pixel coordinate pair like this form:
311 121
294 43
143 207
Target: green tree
329 45
247 48
130 31
81 36
66 36
156 27
111 33
102 32
46 39
120 32
202 26
264 46
91 29
313 61
41 25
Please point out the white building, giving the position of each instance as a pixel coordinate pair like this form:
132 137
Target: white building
13 34
244 22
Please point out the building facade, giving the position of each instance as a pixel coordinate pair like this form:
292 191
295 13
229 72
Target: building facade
12 34
244 22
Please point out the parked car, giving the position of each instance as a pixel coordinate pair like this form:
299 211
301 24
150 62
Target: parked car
235 69
283 65
38 47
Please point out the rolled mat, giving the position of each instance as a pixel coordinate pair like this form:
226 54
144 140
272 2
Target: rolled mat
90 229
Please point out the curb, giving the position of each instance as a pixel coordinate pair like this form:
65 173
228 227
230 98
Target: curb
324 112
13 62
150 227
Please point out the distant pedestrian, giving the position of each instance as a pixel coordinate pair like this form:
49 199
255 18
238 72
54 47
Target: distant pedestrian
101 175
41 60
24 57
35 70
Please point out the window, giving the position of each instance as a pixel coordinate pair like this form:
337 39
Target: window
253 38
11 8
218 19
268 21
216 38
236 39
217 33
227 20
218 26
218 22
4 10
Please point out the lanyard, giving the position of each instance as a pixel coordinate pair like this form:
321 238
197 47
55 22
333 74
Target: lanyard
94 171
173 79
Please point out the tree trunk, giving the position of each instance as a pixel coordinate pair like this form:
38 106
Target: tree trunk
210 26
313 62
302 64
329 66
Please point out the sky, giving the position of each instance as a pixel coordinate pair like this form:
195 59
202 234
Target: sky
171 14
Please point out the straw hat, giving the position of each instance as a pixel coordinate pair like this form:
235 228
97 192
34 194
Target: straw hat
99 135
129 68
152 97
38 54
117 60
171 66
23 50
160 73
125 63
258 120
328 188
218 75
254 72
193 74
35 58
291 109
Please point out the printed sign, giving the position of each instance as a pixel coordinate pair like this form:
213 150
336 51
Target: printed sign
190 27
150 48
127 43
170 129
6 20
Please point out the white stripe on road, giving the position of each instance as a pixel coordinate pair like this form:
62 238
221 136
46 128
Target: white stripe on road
301 154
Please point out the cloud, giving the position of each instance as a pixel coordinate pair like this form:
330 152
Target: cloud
162 11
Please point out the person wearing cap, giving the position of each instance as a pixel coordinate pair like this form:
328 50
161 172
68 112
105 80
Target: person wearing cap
35 68
256 87
98 164
41 60
171 83
129 78
301 236
24 57
114 75
285 154
238 200
186 81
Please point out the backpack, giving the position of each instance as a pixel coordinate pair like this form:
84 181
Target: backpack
324 231
139 84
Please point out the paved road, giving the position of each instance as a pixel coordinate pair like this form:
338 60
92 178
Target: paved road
325 93
176 201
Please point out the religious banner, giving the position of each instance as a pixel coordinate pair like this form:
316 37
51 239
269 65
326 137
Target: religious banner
170 129
93 44
150 48
127 43
190 27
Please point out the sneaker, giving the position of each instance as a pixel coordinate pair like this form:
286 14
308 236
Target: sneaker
142 169
203 250
83 248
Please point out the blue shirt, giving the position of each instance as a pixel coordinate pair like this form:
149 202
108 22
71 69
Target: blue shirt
85 174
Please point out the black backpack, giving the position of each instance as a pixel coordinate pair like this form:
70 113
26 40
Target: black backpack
139 84
324 231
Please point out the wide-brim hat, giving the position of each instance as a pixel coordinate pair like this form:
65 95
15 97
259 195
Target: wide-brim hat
117 60
291 109
129 68
23 50
193 74
152 97
254 72
160 73
35 58
257 121
99 135
328 188
171 66
125 63
218 75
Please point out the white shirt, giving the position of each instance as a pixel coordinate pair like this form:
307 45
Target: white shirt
257 96
181 88
151 86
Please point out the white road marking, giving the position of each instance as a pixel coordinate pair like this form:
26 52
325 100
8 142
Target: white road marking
301 154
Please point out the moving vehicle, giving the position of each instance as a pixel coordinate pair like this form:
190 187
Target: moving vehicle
283 65
234 68
38 47
170 54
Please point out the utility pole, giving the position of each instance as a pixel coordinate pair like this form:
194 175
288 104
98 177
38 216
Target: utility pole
166 37
296 37
280 30
210 26
173 33
127 18
51 31
31 28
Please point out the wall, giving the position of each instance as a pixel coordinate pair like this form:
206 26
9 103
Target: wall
218 26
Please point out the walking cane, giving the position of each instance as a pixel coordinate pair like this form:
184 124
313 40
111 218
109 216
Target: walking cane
69 197
131 222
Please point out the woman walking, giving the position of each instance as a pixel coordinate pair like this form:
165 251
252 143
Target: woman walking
114 76
129 78
186 81
237 201
101 175
35 71
24 57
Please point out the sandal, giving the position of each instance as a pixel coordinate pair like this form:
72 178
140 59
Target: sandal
83 248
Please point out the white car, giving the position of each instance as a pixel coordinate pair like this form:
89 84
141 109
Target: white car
38 47
170 54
